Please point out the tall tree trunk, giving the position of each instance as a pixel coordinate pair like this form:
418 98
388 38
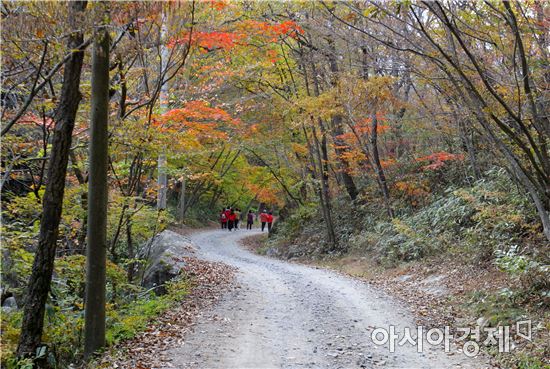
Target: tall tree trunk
341 148
337 130
116 236
94 330
131 252
42 269
162 182
81 236
321 148
162 161
181 200
467 139
380 175
322 157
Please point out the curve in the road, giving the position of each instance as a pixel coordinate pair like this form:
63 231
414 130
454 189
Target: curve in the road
286 315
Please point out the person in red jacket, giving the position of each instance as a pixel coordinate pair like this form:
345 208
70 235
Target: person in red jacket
231 220
269 221
263 219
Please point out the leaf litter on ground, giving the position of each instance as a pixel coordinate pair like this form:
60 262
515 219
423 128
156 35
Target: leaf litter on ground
209 281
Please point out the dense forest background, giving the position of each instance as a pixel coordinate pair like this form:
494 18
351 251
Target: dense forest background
397 130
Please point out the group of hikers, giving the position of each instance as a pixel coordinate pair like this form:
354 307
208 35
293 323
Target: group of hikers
230 218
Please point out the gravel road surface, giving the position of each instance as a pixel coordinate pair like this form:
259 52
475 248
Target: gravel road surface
286 315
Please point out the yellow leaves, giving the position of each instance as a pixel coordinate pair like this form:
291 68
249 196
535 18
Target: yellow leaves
354 157
371 11
299 149
200 176
502 90
413 190
375 90
403 228
465 195
323 106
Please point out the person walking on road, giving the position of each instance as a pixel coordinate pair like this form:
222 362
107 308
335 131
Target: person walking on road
263 219
231 220
223 219
249 219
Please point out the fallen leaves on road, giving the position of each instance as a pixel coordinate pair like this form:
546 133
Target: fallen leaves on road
435 291
253 242
148 349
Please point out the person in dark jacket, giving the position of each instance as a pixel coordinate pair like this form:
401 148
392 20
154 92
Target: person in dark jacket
249 219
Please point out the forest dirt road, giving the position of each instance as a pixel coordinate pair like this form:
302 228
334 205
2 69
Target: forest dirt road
286 315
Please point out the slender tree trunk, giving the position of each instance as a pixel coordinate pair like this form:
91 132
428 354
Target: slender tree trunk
337 130
215 195
321 148
322 156
81 237
94 330
378 166
114 241
41 275
162 161
312 168
340 148
181 200
131 252
162 182
467 139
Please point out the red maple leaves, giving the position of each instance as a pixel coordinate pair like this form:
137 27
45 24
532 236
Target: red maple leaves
272 30
242 35
209 41
438 159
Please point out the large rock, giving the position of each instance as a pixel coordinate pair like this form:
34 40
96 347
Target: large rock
9 304
164 258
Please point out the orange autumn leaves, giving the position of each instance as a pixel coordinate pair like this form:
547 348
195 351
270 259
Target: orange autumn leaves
438 159
265 193
271 31
197 120
361 130
208 41
363 127
242 34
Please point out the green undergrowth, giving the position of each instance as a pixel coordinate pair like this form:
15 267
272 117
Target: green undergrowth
128 313
487 225
129 306
489 222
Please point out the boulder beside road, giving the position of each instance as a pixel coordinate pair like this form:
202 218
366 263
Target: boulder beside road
164 259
